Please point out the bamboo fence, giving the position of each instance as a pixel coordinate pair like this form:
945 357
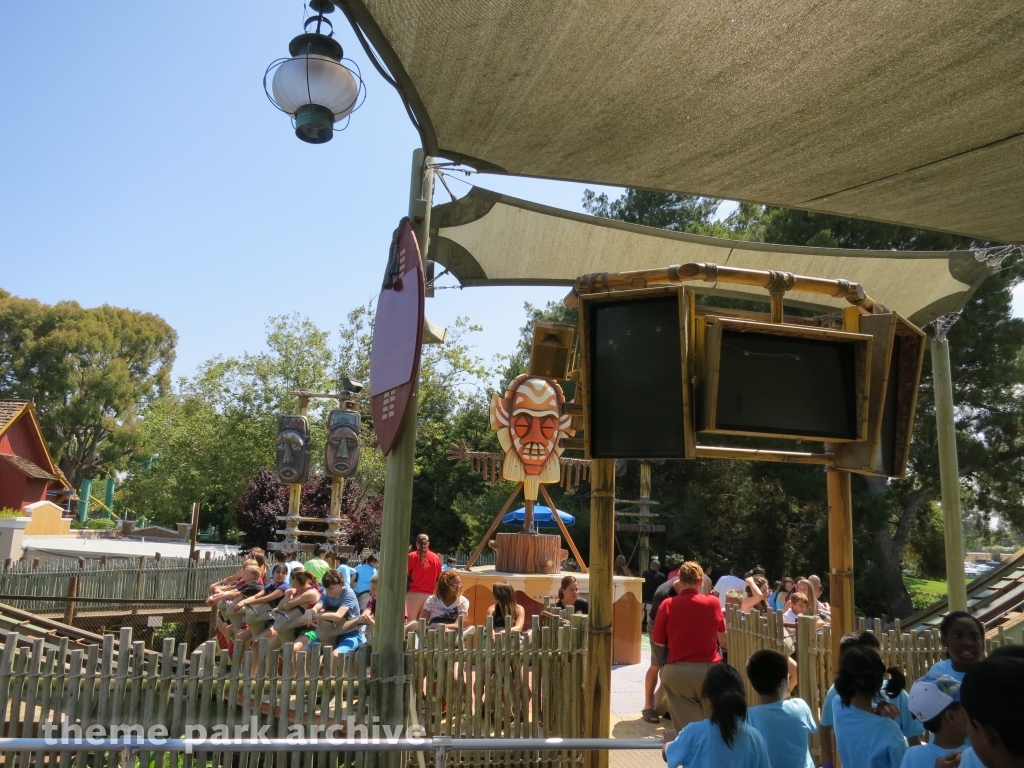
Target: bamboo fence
913 652
140 579
509 684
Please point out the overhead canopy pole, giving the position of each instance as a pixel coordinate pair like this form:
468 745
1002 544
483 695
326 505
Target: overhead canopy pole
949 470
397 517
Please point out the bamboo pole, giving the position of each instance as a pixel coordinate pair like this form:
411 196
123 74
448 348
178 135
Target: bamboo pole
645 509
599 636
840 555
949 473
194 533
840 535
713 273
334 519
494 525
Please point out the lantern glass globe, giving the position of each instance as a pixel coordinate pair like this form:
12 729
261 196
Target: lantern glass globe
314 79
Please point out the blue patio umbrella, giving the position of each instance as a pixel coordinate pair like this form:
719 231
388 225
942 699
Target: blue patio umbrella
542 517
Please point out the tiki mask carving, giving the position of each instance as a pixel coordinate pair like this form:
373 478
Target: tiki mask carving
529 423
292 446
341 456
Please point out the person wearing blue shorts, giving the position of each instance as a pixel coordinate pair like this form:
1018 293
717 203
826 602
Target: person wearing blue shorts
337 604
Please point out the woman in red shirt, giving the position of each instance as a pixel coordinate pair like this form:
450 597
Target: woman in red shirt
689 632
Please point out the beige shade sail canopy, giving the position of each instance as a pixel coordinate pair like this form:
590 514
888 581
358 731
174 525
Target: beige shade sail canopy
893 110
486 238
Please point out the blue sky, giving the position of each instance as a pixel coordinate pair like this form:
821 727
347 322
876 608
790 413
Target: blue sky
142 166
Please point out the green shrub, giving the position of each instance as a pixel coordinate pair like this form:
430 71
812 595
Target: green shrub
922 600
7 512
101 524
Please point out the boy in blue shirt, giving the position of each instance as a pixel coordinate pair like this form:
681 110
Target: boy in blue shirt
935 701
364 575
992 694
783 723
345 570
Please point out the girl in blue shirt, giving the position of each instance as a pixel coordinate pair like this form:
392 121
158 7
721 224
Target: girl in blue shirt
724 740
865 738
963 637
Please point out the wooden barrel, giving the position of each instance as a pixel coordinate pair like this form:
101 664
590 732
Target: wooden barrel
529 553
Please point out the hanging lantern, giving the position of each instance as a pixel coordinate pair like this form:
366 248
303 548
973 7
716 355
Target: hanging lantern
314 86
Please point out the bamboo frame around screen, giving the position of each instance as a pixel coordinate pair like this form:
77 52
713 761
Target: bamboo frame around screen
865 457
715 327
685 299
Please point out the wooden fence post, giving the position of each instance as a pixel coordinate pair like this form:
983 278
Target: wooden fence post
69 606
140 581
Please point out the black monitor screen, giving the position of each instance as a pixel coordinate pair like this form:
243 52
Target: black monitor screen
636 380
784 385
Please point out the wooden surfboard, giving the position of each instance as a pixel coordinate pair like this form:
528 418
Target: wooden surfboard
397 335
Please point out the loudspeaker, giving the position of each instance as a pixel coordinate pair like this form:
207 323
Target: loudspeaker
552 346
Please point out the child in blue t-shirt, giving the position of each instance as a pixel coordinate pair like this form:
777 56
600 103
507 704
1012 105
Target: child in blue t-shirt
935 701
783 723
992 695
725 740
337 604
864 737
963 637
892 701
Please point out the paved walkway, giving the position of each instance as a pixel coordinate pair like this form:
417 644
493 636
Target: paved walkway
627 723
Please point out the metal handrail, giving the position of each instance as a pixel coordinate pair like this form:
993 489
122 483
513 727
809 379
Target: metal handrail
440 745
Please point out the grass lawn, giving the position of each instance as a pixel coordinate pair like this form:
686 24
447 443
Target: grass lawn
924 585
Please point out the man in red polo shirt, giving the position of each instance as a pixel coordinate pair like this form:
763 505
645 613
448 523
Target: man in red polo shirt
424 571
689 631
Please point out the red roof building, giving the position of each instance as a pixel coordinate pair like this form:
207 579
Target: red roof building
26 471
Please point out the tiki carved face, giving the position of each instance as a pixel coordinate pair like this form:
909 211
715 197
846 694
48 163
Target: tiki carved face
529 423
341 456
292 446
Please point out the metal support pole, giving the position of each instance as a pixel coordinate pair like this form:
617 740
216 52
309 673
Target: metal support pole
599 662
949 473
397 519
84 497
108 499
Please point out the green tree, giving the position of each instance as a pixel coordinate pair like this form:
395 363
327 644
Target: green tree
90 373
987 357
216 431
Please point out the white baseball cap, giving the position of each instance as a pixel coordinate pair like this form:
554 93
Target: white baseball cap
931 694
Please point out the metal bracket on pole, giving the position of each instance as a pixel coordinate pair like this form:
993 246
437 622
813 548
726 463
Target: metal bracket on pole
441 745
